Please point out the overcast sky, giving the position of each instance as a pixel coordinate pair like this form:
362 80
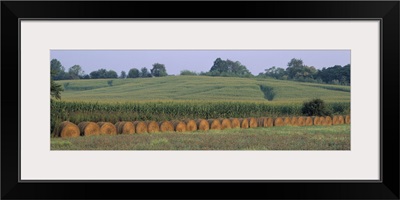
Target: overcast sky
195 60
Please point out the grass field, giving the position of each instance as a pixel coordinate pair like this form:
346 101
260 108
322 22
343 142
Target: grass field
272 138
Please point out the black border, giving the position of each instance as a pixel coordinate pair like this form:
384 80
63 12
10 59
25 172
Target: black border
387 11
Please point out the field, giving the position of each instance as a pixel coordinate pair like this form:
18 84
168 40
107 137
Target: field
272 138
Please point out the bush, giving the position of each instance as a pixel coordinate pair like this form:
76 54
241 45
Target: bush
269 92
315 107
189 73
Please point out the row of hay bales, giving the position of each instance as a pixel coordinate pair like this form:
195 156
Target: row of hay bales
68 129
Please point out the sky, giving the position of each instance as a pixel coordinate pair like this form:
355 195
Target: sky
175 61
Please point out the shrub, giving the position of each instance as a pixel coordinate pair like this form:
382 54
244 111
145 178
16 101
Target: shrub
110 82
269 92
315 107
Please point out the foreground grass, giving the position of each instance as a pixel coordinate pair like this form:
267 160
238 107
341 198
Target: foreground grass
274 138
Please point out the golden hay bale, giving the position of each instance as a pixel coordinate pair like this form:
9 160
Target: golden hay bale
125 127
214 124
335 120
262 122
166 126
317 121
152 127
244 123
107 128
89 128
309 121
252 122
67 129
286 121
235 123
202 124
301 121
179 126
225 124
270 121
279 122
140 126
341 119
191 125
293 121
328 121
347 120
322 121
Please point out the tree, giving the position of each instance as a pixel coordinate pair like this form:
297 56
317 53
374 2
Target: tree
111 74
133 73
55 89
187 72
123 74
144 73
101 73
315 107
275 72
57 70
158 70
229 68
75 72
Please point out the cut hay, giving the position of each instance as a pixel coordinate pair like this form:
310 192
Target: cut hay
215 124
166 126
252 122
125 127
202 125
67 129
152 127
140 127
317 121
286 121
309 121
270 121
328 121
89 128
279 122
179 126
107 128
225 124
293 121
322 121
347 120
301 121
235 123
244 123
341 119
335 120
191 125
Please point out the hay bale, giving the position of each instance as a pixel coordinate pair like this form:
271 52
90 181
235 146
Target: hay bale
67 129
125 127
328 121
322 121
317 121
89 128
202 125
347 120
286 121
140 127
214 124
225 124
166 126
252 122
301 121
244 123
293 121
235 123
279 122
260 122
341 119
309 121
335 120
270 121
152 127
191 125
179 126
107 128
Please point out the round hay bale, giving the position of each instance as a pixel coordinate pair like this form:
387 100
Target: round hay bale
166 126
140 127
191 125
202 125
279 122
107 128
125 127
67 129
347 120
317 121
270 121
309 121
152 127
252 122
301 121
225 124
244 123
286 121
328 121
260 122
293 121
214 124
89 128
341 119
322 121
179 126
235 123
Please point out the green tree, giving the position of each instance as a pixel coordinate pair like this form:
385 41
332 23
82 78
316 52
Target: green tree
144 73
75 72
55 89
123 74
111 74
189 73
158 70
133 73
228 68
315 107
57 70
